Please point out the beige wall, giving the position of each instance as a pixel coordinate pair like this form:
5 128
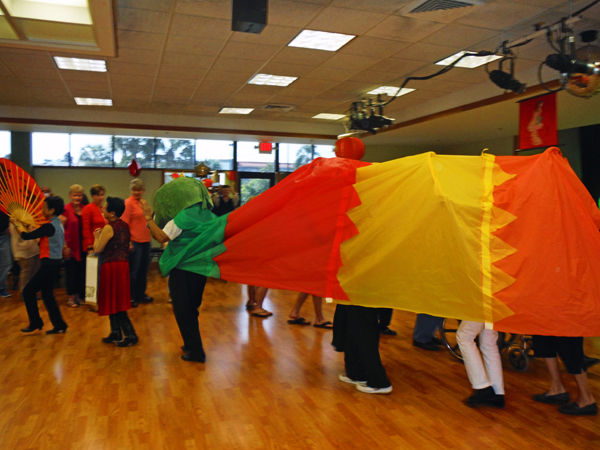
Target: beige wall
381 153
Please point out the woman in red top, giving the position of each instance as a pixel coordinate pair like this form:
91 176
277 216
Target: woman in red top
73 251
113 288
92 217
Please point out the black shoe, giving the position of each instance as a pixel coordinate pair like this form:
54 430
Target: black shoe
573 409
437 341
192 357
589 362
134 304
387 332
114 336
556 399
184 350
57 330
145 299
129 341
426 346
31 328
485 397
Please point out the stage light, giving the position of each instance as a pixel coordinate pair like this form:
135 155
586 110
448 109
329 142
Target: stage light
506 81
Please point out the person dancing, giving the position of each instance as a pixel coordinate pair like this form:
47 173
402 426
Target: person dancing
114 295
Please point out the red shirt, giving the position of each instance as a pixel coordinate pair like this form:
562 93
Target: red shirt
134 217
92 219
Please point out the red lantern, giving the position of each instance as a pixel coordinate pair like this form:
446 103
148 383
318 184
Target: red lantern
231 175
350 147
134 168
175 175
207 182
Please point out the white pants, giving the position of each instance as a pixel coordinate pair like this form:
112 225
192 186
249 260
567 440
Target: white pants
465 336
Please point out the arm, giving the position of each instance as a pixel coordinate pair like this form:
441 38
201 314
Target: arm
101 238
46 230
86 219
157 233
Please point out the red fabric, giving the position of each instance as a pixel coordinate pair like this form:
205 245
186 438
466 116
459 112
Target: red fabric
537 122
72 238
134 217
304 216
113 288
92 219
555 233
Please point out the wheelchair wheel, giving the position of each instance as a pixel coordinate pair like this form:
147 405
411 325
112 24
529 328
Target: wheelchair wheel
518 359
449 328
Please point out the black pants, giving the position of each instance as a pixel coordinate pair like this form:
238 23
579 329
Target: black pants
358 328
121 321
186 293
385 317
570 350
75 274
43 281
139 262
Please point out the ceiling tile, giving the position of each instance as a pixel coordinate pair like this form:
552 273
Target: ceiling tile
370 46
404 29
311 83
231 77
380 6
342 96
217 10
475 76
425 95
31 73
118 67
460 36
199 46
426 52
446 86
286 70
292 13
176 83
38 60
221 88
131 89
152 5
84 76
358 87
271 35
253 99
139 56
499 15
186 60
321 103
372 76
238 65
400 67
331 73
142 20
244 50
117 78
307 56
284 99
345 21
188 73
297 92
89 93
352 61
81 85
200 27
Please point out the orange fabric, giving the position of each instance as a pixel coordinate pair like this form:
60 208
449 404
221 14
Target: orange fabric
92 218
134 217
304 216
557 263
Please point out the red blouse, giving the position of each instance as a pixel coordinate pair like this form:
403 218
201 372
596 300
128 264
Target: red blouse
92 219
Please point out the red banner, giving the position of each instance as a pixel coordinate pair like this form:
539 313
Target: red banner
537 122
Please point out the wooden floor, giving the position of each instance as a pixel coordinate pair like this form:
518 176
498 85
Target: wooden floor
265 385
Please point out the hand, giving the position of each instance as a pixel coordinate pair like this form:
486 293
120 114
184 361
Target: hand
146 209
66 252
14 221
97 233
90 252
130 247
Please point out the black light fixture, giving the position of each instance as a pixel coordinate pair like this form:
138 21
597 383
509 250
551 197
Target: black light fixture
362 116
505 80
570 62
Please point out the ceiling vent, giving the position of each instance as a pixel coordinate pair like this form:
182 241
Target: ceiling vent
278 108
439 10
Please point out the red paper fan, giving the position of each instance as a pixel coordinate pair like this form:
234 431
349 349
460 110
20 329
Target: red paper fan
20 196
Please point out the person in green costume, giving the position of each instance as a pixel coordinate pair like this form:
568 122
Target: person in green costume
183 218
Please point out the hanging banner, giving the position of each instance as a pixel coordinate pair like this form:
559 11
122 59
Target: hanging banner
537 122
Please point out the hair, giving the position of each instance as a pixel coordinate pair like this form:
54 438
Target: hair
84 200
226 186
116 205
56 203
76 188
137 185
96 189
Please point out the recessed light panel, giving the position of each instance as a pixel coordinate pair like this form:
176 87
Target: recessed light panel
391 91
272 80
321 40
92 65
326 116
468 62
93 101
236 110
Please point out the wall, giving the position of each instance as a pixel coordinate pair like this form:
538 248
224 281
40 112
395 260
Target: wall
381 153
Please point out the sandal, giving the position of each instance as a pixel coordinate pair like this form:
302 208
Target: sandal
72 302
299 321
326 325
263 313
250 306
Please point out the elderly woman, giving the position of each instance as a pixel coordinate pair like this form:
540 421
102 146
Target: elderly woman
74 251
139 256
92 217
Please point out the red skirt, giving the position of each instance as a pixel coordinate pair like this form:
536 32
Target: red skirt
114 294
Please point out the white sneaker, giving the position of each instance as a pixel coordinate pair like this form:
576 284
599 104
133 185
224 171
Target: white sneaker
345 379
370 390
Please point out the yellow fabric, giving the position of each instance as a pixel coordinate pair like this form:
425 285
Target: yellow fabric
436 256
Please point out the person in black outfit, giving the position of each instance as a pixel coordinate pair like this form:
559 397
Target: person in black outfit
385 318
52 240
5 255
224 202
356 333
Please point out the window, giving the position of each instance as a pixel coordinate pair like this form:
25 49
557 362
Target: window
5 144
170 176
292 156
50 149
91 150
139 148
218 155
175 153
325 151
250 160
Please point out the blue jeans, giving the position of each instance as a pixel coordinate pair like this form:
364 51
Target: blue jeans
425 326
6 260
139 261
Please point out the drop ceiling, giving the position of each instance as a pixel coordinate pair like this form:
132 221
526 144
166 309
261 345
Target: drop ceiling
177 63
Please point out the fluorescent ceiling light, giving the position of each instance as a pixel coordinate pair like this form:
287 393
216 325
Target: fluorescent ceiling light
92 65
329 116
272 80
77 3
468 62
320 40
391 91
236 110
93 101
